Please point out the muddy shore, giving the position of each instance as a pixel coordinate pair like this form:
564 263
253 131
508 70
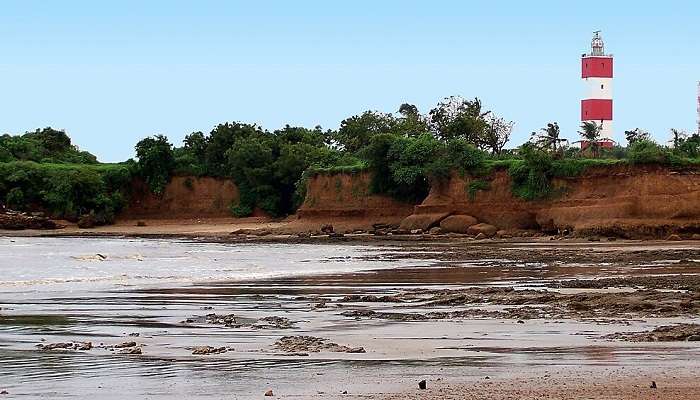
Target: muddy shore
540 318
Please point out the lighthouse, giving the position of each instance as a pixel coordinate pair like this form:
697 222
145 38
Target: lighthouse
597 75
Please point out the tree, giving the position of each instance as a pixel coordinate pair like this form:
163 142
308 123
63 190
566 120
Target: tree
549 138
677 137
456 117
220 140
357 131
496 134
155 161
636 135
590 133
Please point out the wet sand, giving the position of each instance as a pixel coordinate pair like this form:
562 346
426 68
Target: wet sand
440 312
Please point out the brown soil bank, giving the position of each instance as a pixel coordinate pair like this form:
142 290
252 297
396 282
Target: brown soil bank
625 201
348 197
183 197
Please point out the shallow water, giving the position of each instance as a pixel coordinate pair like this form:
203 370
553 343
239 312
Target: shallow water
102 290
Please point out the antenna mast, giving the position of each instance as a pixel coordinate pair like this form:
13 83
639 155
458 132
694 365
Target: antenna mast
698 107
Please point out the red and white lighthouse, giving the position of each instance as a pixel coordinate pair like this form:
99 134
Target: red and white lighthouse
597 104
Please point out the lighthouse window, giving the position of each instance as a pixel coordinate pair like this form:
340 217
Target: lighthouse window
601 86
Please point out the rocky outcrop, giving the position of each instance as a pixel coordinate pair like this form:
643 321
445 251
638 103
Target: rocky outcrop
623 201
13 220
184 197
421 222
458 223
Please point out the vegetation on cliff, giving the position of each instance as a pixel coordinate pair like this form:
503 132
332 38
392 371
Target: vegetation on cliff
406 152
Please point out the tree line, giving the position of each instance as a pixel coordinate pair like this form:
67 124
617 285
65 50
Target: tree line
406 152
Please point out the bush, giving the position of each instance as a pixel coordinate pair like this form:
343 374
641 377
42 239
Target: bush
647 152
66 190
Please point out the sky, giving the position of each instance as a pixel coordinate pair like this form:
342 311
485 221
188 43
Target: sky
111 73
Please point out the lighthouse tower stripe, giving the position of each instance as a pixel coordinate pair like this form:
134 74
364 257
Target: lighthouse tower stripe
597 74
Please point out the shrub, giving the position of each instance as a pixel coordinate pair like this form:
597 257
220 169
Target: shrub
647 152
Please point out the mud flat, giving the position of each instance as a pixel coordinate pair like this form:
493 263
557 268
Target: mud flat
115 318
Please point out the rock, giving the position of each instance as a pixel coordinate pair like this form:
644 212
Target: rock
56 346
593 239
458 223
207 350
653 385
240 231
416 231
269 393
131 350
140 223
311 344
693 338
335 235
262 232
487 229
674 238
4 392
481 236
696 236
422 385
327 228
422 221
356 350
124 345
520 321
83 346
503 234
87 221
436 230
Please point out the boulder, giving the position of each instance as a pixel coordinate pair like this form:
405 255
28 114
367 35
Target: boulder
436 230
421 221
87 221
486 229
458 223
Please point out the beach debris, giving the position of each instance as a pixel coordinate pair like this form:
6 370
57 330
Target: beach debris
344 392
269 393
311 344
422 385
653 385
134 334
674 238
4 392
207 350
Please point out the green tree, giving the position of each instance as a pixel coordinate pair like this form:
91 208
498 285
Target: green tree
496 134
456 117
357 131
636 135
549 139
155 161
590 133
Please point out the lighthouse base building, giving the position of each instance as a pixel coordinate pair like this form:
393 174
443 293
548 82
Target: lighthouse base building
597 103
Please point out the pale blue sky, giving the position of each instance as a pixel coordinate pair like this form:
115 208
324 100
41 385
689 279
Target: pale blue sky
113 73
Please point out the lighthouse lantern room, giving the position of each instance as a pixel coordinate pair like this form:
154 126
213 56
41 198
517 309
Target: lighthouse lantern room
597 104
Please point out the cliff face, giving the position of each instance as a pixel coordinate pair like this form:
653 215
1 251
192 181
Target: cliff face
641 201
348 196
184 197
